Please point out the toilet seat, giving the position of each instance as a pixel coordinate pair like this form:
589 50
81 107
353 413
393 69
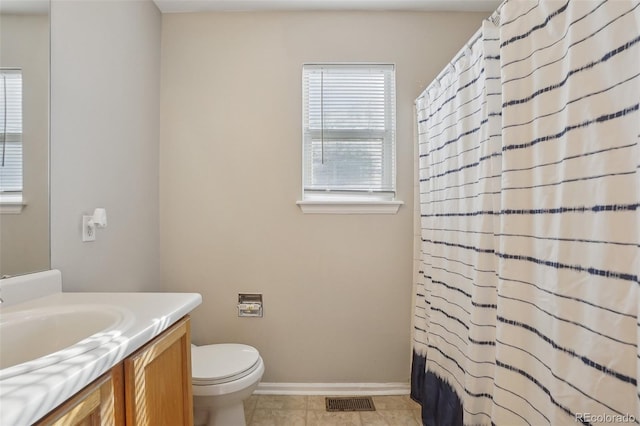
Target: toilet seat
222 363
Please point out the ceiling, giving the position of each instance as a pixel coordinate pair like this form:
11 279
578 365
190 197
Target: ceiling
175 6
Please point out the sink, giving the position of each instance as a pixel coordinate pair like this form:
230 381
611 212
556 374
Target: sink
35 338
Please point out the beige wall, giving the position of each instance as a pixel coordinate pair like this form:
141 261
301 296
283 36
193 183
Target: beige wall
337 288
105 80
24 242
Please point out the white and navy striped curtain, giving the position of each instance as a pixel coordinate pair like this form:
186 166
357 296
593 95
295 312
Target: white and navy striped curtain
527 306
455 316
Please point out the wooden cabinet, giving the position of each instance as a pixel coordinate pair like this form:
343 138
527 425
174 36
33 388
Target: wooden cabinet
99 404
158 380
152 387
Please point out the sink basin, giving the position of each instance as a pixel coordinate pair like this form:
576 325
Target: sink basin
36 338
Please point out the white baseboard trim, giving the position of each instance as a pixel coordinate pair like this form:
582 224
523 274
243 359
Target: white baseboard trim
267 388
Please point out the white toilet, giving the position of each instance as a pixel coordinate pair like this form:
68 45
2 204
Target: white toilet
224 375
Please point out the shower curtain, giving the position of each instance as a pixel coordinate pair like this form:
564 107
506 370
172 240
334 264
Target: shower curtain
527 298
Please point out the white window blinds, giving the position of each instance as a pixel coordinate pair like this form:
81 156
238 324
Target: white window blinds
10 130
349 130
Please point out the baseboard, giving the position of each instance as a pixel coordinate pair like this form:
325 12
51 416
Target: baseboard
267 388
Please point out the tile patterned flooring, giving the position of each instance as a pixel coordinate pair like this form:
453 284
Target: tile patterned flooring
295 410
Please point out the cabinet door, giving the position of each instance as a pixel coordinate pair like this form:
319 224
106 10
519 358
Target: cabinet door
99 404
158 380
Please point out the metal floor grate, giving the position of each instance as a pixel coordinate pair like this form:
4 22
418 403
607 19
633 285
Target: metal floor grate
358 403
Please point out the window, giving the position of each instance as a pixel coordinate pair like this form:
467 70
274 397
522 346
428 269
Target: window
348 134
10 136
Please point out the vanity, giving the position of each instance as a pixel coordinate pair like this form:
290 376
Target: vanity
93 358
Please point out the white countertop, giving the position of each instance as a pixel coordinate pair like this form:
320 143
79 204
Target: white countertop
27 397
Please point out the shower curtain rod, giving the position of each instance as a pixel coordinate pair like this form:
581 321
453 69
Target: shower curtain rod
455 59
494 18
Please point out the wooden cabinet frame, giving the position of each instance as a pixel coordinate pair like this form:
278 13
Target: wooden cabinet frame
101 404
158 380
151 387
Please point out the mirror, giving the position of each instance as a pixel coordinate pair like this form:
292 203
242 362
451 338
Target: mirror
24 136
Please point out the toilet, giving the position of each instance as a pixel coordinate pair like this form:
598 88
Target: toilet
223 376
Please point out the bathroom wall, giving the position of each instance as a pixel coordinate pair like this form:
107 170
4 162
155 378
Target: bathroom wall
337 288
105 79
24 43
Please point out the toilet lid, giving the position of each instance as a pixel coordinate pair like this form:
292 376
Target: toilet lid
222 362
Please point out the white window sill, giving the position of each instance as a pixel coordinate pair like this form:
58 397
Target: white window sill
349 207
11 204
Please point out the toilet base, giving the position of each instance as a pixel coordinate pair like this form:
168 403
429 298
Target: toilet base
229 415
222 404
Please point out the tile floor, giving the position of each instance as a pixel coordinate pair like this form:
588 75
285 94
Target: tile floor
277 410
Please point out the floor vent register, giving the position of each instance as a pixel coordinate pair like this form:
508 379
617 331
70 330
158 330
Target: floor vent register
357 403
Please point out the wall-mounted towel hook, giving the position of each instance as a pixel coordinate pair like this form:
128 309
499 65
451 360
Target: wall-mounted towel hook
90 223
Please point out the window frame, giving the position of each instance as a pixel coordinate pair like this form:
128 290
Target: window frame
353 201
12 201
